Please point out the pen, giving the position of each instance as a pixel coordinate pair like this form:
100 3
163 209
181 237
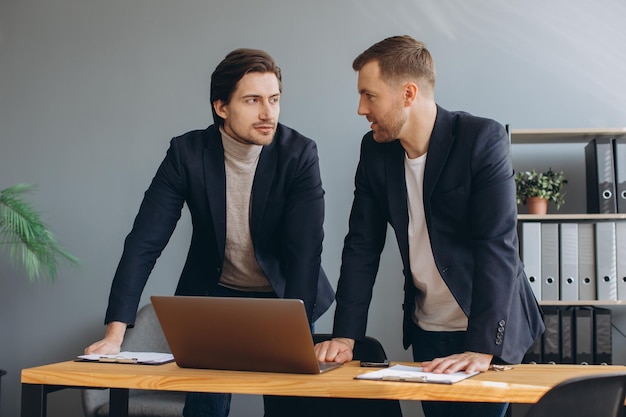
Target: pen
117 360
405 378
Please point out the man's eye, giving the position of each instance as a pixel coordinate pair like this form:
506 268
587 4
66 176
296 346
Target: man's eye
274 100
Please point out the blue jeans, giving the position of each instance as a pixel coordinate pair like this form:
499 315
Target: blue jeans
200 404
430 345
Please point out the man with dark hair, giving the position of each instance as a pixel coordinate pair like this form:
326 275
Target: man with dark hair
253 188
444 181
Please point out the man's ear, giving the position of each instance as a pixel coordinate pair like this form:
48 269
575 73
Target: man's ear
220 109
410 92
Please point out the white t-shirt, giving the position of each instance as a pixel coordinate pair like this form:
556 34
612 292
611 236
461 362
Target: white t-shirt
435 307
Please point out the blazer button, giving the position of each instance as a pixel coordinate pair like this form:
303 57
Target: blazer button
501 323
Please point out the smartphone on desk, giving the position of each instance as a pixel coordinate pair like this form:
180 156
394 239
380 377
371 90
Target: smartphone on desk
371 364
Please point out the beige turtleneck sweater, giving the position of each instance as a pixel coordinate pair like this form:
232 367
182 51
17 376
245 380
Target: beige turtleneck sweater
241 270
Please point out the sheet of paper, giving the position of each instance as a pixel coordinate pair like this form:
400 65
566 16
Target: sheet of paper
147 358
403 373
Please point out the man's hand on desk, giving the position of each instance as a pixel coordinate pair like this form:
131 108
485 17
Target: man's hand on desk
338 349
467 361
112 342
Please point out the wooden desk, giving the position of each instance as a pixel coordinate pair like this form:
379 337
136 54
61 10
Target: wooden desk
522 384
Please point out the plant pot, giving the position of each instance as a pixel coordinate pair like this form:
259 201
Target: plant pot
537 205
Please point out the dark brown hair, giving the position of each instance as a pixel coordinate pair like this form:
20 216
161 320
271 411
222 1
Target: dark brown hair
400 57
232 69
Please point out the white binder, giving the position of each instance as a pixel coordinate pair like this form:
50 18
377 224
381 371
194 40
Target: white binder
620 243
586 262
531 255
549 261
568 256
619 152
606 262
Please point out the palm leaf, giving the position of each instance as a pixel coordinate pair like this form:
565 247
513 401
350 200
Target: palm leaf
27 237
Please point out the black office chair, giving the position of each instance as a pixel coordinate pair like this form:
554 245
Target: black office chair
368 350
589 396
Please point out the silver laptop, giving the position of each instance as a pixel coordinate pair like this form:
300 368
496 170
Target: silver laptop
241 334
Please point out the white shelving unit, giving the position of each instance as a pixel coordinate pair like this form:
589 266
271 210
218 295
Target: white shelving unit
555 139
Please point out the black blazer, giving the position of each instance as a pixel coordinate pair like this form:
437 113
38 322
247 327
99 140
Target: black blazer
286 222
471 215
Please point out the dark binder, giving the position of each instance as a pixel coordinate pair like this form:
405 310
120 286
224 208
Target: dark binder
619 152
551 351
603 348
583 330
567 335
600 173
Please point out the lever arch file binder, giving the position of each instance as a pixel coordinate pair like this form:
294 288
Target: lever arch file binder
619 152
600 173
583 317
606 262
603 350
567 335
531 255
551 336
586 261
620 245
549 261
568 256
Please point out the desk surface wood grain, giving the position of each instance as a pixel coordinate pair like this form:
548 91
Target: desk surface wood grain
522 384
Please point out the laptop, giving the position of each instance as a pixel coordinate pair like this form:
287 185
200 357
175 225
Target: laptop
240 334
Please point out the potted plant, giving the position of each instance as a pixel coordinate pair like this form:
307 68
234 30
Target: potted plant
27 238
536 189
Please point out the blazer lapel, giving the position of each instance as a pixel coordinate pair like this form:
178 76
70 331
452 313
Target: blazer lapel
215 179
438 149
398 205
263 178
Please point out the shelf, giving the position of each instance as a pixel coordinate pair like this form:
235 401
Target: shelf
520 136
584 216
597 303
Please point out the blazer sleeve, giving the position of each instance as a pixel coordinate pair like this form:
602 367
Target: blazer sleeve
303 231
362 246
493 220
154 224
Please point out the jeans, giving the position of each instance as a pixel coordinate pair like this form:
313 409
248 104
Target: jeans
430 345
200 404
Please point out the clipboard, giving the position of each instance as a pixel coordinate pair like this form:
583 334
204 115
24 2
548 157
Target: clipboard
136 358
403 373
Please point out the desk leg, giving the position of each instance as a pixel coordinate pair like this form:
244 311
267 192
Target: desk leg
34 398
118 402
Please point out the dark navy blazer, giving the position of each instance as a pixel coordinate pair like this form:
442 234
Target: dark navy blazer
286 224
471 215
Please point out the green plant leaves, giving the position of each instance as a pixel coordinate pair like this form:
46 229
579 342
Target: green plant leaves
27 237
548 185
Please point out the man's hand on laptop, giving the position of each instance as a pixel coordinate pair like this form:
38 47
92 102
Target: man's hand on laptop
112 342
338 349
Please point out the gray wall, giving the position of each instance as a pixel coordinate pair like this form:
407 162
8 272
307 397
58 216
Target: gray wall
92 91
